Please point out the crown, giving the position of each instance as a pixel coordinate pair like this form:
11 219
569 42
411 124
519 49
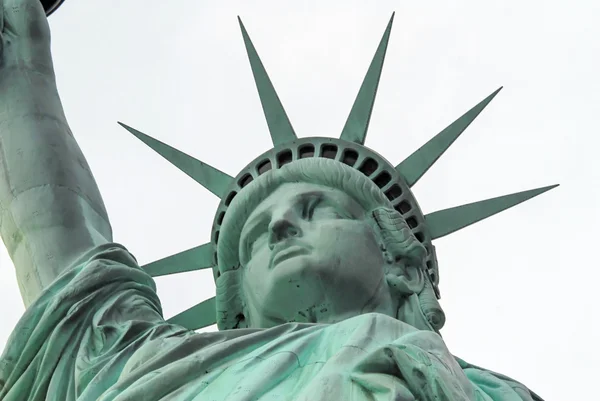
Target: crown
395 181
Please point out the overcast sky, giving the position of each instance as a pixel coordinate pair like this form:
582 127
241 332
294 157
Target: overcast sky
518 289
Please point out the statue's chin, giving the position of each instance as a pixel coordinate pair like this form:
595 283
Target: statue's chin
309 289
328 308
320 310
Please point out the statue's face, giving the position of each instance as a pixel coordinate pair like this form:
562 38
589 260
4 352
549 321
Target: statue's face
309 254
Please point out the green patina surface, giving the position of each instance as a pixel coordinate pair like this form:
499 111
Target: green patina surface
326 274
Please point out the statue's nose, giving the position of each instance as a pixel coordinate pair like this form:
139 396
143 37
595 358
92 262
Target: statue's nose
282 229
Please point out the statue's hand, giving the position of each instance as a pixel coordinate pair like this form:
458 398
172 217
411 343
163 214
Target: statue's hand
24 37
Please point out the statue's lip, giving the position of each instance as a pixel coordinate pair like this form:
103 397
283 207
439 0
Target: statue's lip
287 253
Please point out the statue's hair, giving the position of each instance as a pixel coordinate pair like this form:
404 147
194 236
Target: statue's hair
318 171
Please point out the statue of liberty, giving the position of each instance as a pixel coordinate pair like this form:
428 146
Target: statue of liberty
326 275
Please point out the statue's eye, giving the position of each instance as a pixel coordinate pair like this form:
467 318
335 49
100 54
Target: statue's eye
309 206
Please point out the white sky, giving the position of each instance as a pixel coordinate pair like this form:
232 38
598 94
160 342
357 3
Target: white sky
518 289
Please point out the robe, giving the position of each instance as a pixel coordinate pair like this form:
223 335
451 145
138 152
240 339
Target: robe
98 334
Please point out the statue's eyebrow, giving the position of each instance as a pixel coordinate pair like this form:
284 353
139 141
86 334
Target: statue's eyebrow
326 197
308 195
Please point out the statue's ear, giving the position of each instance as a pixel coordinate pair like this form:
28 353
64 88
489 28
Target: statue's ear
405 279
419 306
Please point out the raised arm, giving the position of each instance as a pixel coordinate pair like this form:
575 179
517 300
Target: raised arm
51 211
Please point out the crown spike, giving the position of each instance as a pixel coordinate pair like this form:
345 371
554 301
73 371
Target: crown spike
197 317
209 177
279 124
447 221
357 124
197 258
417 164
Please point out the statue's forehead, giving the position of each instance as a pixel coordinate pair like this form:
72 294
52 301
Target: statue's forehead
290 191
286 193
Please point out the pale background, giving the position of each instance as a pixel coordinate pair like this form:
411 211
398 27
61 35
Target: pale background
518 289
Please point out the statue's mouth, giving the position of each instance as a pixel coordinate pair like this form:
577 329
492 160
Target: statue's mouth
287 253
